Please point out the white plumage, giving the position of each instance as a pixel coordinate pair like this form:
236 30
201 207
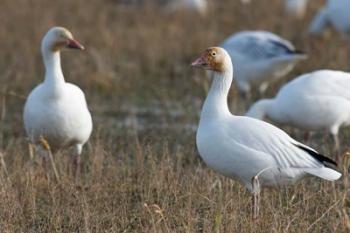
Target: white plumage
316 101
334 13
243 148
57 110
260 57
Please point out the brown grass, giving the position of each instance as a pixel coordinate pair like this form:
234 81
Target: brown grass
141 171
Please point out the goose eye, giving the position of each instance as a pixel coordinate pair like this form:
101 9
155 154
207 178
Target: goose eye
213 54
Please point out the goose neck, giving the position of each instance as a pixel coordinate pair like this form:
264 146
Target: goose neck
53 71
215 104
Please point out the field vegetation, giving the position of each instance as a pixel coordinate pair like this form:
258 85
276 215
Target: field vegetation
141 171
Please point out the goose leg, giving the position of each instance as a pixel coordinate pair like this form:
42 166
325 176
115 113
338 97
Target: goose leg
255 206
336 144
76 161
255 197
47 156
42 152
76 165
334 131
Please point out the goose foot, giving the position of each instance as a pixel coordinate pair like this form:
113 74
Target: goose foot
255 198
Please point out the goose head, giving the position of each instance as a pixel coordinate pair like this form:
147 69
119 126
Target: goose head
215 59
58 38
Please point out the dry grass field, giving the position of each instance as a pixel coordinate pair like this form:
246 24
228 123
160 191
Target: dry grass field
141 171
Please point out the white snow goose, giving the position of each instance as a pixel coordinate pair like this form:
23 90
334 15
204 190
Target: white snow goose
259 57
312 102
56 110
335 13
251 151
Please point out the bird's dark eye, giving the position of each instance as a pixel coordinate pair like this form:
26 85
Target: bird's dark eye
213 54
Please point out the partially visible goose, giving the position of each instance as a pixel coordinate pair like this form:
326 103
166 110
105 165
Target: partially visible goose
316 101
251 151
200 6
334 13
296 8
56 110
260 57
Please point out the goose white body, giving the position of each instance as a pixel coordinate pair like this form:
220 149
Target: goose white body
334 13
57 110
260 57
316 101
60 116
241 148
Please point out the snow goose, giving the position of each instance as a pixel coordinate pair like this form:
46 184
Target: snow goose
56 110
335 13
251 151
323 93
259 57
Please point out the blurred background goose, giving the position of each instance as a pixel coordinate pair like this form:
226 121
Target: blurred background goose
294 8
260 57
251 151
200 6
335 13
316 101
56 110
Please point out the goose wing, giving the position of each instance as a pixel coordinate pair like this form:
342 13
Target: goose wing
285 151
259 45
